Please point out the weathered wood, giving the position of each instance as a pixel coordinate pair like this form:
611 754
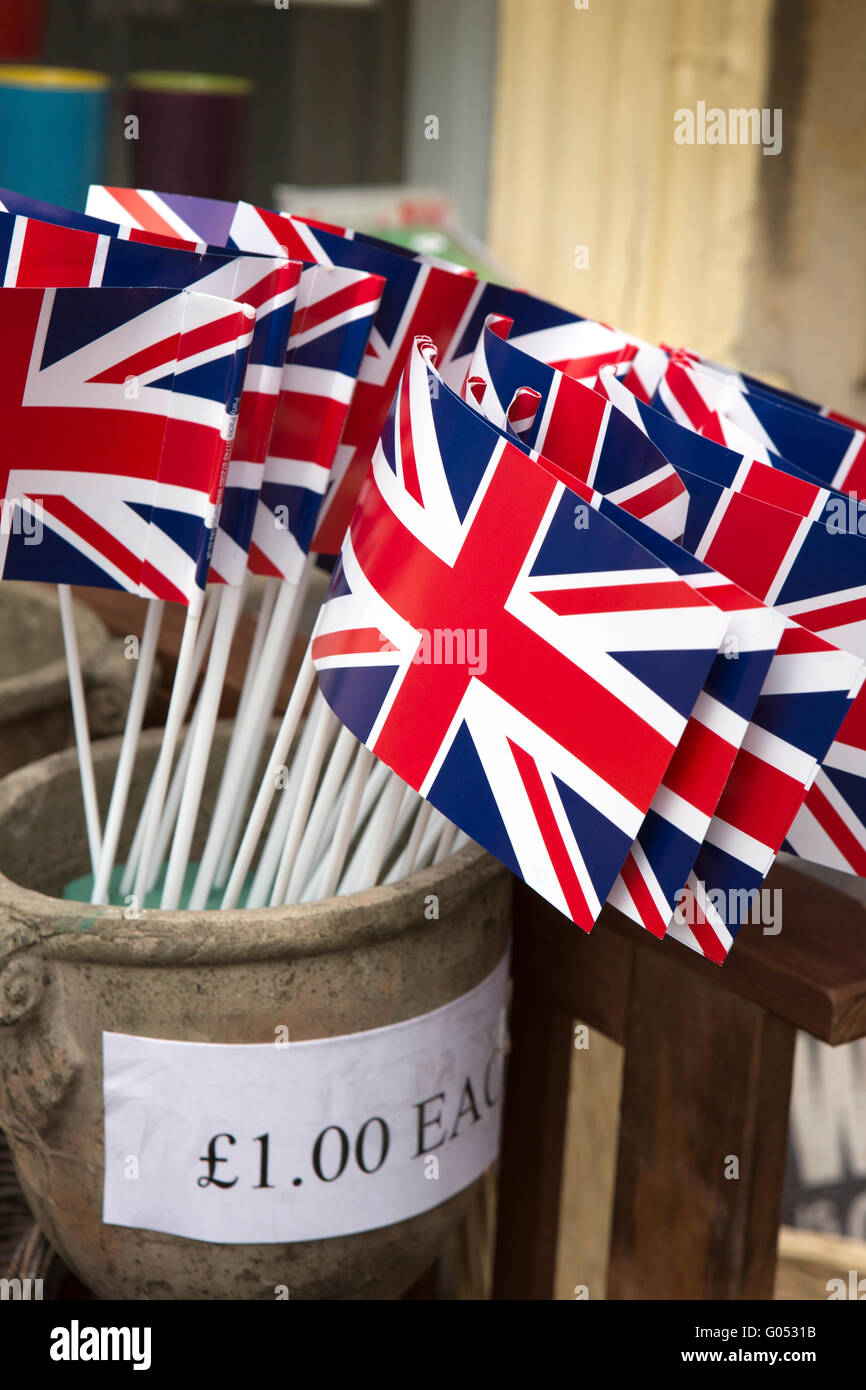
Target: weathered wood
585 976
703 1134
530 1172
813 973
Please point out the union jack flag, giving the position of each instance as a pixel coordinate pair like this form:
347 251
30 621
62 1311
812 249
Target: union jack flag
579 655
118 409
422 297
802 704
24 206
649 887
714 404
752 385
563 419
572 422
338 300
830 828
781 483
747 744
668 843
813 688
42 254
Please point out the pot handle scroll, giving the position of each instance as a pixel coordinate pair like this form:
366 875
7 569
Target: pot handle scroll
38 1057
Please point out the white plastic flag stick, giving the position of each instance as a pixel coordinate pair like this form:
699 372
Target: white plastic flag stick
330 826
329 829
258 722
269 594
128 749
406 862
79 722
201 738
405 817
376 784
261 806
325 723
326 878
204 635
172 800
289 781
269 860
405 814
375 778
378 776
446 840
366 863
183 677
311 839
408 812
429 840
246 742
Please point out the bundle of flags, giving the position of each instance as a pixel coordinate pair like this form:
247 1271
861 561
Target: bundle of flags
600 603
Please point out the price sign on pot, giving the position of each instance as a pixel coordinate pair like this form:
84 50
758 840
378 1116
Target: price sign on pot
263 1143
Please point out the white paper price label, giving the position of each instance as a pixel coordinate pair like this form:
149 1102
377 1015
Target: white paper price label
271 1143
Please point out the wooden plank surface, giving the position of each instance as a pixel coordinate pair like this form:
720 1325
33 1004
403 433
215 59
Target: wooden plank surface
702 1140
812 973
532 1143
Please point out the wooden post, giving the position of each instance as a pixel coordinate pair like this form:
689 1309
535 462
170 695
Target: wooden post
702 1141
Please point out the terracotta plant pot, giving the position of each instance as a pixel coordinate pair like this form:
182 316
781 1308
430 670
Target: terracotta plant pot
69 972
35 714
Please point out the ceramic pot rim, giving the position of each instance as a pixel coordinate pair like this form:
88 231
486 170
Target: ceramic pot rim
77 931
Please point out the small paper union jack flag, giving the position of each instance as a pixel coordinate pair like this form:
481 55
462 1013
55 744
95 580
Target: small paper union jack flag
799 711
714 404
667 846
42 254
118 409
782 483
830 828
422 296
337 303
574 424
566 421
529 675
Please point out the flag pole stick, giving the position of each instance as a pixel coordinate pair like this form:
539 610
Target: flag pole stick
259 725
261 806
204 635
326 838
446 840
311 838
172 800
79 722
325 722
183 677
200 740
245 746
327 877
263 619
406 862
375 780
366 862
429 840
269 859
128 749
